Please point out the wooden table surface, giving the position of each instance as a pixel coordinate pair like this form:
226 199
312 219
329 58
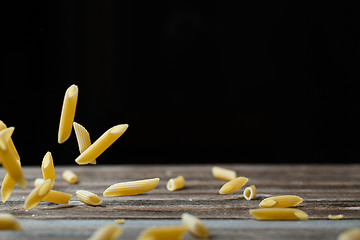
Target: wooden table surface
326 189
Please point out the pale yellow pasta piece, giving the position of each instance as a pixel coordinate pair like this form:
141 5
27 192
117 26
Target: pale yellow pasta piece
335 217
70 176
250 192
107 232
120 221
68 113
278 214
101 144
195 226
47 167
223 173
88 197
9 222
7 186
38 182
9 158
233 185
38 194
175 183
57 197
11 143
83 138
163 233
281 201
350 234
131 188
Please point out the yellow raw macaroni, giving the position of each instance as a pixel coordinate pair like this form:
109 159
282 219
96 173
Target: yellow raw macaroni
195 226
175 183
83 138
9 222
278 214
68 113
350 234
223 173
37 194
281 201
88 197
131 188
233 185
335 217
11 143
163 233
47 167
57 197
107 232
9 159
7 186
70 176
101 144
38 182
250 192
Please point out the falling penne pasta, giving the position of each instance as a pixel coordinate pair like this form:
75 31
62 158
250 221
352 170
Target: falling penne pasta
131 188
223 173
68 113
47 167
83 138
195 226
70 176
38 182
57 197
9 159
9 222
101 144
335 217
175 183
278 214
88 197
163 233
11 143
281 201
250 192
233 185
350 234
38 194
107 232
7 186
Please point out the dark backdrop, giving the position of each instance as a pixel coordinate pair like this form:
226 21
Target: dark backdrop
196 82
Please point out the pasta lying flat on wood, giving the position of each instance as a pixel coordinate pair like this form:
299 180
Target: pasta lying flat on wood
131 188
350 234
233 185
281 201
7 186
88 197
107 232
83 138
175 183
101 144
278 214
9 222
57 197
223 173
250 192
195 226
47 167
70 176
68 113
335 217
163 233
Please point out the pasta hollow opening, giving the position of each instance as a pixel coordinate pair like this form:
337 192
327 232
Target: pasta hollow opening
170 184
72 90
247 192
94 199
119 128
45 188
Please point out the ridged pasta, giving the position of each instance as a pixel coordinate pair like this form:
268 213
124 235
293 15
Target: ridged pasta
250 192
11 143
163 233
175 183
281 201
131 188
101 144
9 222
195 226
350 234
38 194
47 167
83 138
57 197
107 232
278 214
223 173
7 186
233 185
70 176
68 113
9 159
88 197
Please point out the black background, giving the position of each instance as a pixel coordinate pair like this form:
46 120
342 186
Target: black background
196 82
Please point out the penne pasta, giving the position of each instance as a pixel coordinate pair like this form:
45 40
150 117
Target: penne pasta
223 173
70 176
131 188
350 234
175 183
68 113
163 233
11 143
281 201
233 185
120 221
9 222
107 232
278 214
250 192
37 194
9 159
57 197
195 226
47 167
335 217
38 182
101 144
83 138
7 186
88 197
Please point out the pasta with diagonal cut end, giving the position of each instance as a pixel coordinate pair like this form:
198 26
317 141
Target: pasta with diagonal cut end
57 197
11 143
88 197
281 201
131 188
70 176
7 186
107 232
233 185
278 214
163 233
47 167
195 226
223 173
38 194
83 138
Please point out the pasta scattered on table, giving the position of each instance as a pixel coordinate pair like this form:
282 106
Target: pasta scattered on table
88 197
283 201
131 188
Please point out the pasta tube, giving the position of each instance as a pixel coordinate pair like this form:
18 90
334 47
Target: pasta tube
47 167
107 232
68 113
278 214
195 226
223 173
131 188
7 186
250 192
175 183
281 201
9 159
335 217
83 138
57 197
350 234
70 176
88 197
101 144
38 194
11 143
163 233
233 185
9 222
